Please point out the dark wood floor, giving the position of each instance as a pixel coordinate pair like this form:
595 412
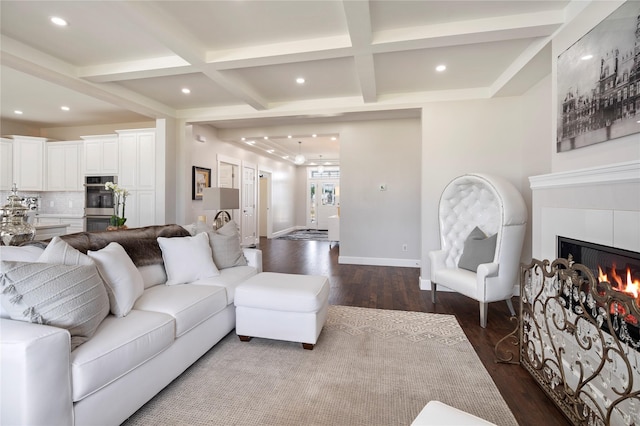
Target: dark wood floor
384 287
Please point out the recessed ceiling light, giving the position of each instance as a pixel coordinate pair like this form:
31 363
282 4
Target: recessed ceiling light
441 68
300 80
271 151
314 135
265 137
65 108
18 112
333 138
186 91
242 139
59 21
587 57
289 137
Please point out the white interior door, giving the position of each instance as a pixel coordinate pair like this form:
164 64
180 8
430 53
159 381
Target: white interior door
321 202
326 200
249 218
264 205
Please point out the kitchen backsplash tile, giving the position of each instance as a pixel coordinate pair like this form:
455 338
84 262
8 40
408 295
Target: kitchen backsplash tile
53 202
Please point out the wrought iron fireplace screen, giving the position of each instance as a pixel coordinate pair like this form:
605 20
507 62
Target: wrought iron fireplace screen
593 375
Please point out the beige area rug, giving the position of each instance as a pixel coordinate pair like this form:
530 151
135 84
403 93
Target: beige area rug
369 367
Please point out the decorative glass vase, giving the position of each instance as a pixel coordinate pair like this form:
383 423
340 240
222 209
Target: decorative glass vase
14 228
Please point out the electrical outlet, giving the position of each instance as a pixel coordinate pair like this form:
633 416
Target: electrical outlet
383 187
404 247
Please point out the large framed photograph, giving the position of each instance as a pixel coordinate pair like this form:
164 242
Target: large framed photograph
599 82
200 179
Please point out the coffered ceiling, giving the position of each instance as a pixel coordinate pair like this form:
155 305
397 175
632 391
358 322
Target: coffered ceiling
126 61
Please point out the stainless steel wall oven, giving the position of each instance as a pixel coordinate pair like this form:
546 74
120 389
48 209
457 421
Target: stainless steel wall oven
98 202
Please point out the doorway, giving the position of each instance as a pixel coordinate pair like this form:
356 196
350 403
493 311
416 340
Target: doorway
322 201
265 226
248 195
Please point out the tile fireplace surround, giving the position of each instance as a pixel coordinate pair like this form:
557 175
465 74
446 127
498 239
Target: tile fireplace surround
574 334
599 205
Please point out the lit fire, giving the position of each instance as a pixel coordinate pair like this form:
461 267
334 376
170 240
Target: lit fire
630 286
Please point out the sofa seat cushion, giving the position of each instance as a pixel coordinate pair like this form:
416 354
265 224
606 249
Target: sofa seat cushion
119 346
188 304
230 278
466 281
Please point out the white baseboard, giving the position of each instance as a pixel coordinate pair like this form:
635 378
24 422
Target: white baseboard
284 232
377 261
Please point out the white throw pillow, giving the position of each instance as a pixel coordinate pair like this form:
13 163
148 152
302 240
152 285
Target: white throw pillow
66 296
59 251
121 277
225 245
187 259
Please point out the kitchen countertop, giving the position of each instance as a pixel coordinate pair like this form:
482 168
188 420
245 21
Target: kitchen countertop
57 225
61 215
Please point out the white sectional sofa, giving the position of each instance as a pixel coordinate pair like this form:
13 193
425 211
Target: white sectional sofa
130 358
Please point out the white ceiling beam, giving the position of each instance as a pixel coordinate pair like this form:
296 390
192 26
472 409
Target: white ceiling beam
238 87
281 53
165 29
518 65
512 27
143 68
168 31
358 18
33 62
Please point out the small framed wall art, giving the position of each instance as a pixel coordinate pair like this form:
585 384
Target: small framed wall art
200 179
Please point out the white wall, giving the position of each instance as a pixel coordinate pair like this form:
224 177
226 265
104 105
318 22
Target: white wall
10 127
206 154
487 136
375 224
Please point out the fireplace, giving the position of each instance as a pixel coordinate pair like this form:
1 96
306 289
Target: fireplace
621 268
578 332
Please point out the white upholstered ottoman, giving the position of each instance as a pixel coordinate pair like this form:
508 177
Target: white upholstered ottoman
282 307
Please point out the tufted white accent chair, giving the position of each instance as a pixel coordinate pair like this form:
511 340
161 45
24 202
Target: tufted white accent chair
495 206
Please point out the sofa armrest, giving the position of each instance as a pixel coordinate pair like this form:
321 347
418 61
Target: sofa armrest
254 258
487 270
35 374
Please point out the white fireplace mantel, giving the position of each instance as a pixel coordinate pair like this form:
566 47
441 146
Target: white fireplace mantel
599 204
612 173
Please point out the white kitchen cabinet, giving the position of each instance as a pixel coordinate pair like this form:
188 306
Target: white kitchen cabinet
101 155
137 151
140 208
28 163
71 225
75 225
6 164
64 166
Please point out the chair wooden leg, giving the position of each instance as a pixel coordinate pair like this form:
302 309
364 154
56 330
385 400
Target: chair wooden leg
510 305
433 292
483 314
